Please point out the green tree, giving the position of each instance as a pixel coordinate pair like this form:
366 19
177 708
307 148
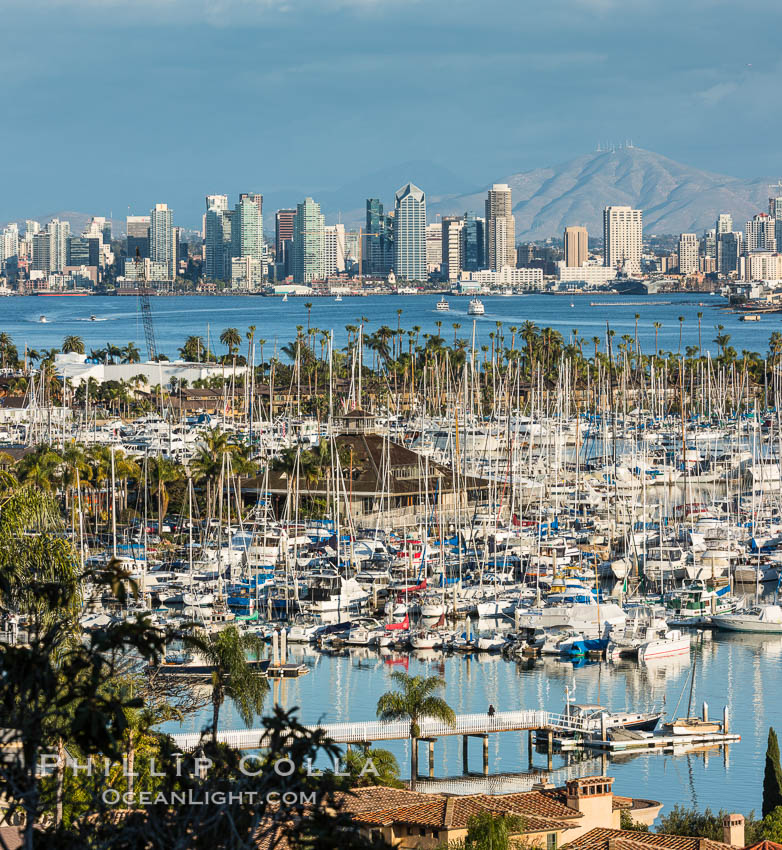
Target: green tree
487 831
771 826
233 676
73 345
772 776
232 339
415 701
373 766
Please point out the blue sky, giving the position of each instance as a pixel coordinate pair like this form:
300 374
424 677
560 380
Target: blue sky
111 104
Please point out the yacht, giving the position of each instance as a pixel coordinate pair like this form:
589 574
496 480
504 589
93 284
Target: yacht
590 718
443 306
765 619
476 307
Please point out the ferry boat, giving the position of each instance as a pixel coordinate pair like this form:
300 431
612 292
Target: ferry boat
476 307
443 306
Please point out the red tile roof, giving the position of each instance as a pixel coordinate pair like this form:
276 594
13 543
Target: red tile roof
621 839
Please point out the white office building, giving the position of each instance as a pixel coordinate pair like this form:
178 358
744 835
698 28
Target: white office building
688 253
162 248
623 239
410 233
334 249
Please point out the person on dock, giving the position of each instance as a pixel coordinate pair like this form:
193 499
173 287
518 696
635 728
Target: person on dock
491 710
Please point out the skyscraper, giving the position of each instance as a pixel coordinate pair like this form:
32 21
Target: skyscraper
215 237
161 241
308 242
57 232
283 239
500 228
334 249
729 248
452 247
247 226
622 238
474 239
374 252
434 247
9 244
138 236
724 224
410 233
576 246
760 234
775 211
688 253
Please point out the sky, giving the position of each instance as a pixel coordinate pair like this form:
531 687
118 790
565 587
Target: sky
113 105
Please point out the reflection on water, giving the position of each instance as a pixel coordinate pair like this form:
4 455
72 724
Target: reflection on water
742 671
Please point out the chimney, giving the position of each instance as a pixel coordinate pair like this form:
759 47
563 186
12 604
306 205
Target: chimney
593 797
733 830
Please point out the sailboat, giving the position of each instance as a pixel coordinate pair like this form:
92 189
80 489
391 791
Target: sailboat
690 725
285 297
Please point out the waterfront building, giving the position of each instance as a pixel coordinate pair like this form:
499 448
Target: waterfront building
334 249
283 241
434 247
247 227
623 239
9 244
688 253
217 237
473 243
729 249
410 233
585 277
162 249
138 235
500 227
760 234
452 257
775 211
308 242
246 273
764 265
576 242
505 277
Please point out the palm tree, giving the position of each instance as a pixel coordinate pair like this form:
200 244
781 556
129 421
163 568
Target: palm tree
308 305
415 701
700 316
232 675
231 339
657 326
73 345
681 327
131 354
163 471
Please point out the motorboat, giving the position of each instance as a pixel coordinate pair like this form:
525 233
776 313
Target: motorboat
93 318
762 619
693 726
671 642
476 307
698 603
425 639
443 306
43 320
490 643
592 717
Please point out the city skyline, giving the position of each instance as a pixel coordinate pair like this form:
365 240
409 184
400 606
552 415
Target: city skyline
588 63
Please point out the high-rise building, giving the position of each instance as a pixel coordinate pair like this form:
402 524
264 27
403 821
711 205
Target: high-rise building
78 251
9 244
162 248
410 233
283 239
724 224
217 238
688 253
729 249
775 211
308 242
474 243
41 252
31 227
452 247
57 233
576 246
247 226
334 249
375 254
622 238
138 236
760 234
434 247
500 228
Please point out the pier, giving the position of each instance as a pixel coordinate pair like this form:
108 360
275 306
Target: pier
368 732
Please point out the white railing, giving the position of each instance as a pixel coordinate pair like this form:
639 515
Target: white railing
378 730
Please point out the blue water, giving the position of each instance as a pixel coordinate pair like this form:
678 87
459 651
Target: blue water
119 319
743 671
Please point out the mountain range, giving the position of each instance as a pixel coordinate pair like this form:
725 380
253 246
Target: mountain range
675 198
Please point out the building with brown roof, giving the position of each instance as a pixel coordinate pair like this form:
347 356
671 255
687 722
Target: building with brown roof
383 480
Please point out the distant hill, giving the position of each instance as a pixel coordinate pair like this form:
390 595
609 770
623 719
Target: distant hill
675 198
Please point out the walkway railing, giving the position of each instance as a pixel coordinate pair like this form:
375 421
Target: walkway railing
377 730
